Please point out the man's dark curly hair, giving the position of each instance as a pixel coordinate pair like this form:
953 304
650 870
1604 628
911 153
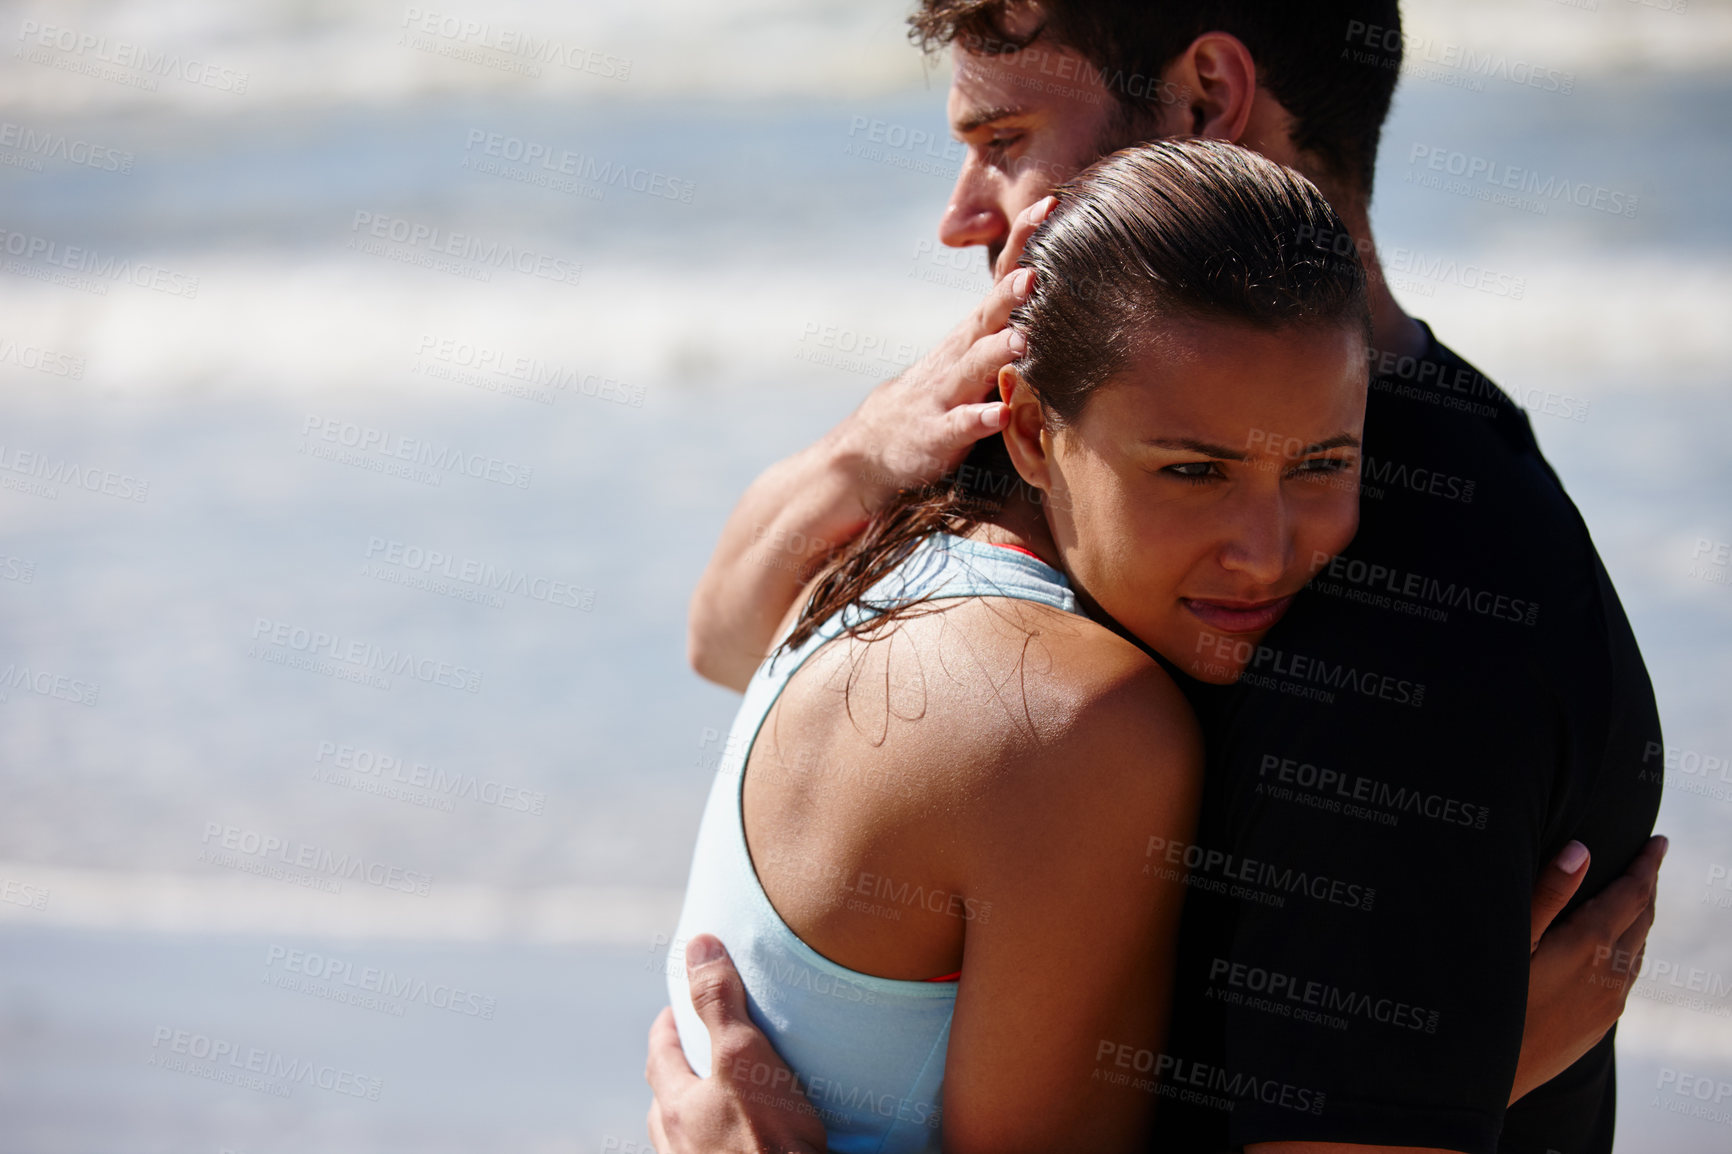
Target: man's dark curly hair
1332 64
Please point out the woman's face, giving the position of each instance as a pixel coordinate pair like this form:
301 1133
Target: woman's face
1201 489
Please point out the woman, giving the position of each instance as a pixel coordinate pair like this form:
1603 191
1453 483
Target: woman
926 848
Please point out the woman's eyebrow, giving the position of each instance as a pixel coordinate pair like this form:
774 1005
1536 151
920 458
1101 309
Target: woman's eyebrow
1208 449
1338 441
1188 445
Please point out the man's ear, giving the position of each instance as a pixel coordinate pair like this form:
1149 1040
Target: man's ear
1025 436
1216 80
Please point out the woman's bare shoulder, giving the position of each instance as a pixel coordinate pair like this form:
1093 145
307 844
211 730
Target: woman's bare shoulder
1109 755
979 696
1038 684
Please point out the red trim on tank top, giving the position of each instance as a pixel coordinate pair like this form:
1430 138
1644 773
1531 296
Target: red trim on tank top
958 973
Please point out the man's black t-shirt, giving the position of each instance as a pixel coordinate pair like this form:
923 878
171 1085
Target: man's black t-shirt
1452 700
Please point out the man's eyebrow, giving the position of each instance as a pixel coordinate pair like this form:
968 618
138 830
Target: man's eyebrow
980 118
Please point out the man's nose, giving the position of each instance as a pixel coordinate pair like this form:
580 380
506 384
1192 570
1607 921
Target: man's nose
974 215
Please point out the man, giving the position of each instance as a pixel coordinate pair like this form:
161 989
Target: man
1453 701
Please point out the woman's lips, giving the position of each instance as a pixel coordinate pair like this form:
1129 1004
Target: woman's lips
1237 616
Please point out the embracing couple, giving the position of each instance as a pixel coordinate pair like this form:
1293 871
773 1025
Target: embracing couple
1211 697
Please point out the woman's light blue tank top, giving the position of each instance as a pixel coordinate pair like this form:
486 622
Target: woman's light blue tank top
868 1052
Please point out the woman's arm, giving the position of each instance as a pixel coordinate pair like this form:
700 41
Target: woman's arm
1065 991
1582 967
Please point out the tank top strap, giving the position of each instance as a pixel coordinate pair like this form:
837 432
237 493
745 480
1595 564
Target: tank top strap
946 565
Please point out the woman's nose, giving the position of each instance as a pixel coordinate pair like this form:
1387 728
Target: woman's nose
1260 543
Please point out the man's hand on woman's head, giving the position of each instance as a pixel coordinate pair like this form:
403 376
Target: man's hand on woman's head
1020 230
750 1103
916 428
1583 966
908 432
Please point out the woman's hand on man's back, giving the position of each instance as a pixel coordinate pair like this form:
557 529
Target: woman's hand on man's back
1583 966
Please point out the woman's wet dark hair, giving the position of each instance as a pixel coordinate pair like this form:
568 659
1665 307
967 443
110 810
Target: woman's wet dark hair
1172 230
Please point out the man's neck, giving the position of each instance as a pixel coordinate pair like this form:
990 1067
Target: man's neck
1269 130
1393 331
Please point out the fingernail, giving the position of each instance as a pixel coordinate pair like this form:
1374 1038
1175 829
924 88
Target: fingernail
1017 343
1665 844
1572 857
1041 213
996 418
701 952
1024 282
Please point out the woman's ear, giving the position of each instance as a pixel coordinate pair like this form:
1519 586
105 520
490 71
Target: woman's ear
1025 436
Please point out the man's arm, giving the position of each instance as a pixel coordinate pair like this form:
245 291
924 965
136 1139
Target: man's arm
1571 1005
909 431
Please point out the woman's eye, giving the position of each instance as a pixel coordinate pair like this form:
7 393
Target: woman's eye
1194 470
1325 465
1001 143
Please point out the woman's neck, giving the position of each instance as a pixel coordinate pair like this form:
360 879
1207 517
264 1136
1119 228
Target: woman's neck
1022 523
